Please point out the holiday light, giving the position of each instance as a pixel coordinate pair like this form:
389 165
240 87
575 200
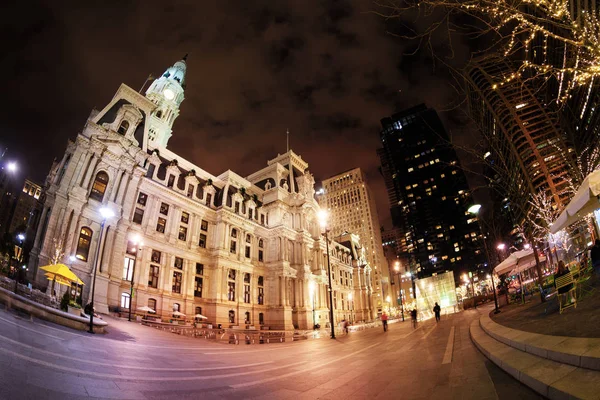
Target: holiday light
527 25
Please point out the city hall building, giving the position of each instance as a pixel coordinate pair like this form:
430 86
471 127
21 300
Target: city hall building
243 251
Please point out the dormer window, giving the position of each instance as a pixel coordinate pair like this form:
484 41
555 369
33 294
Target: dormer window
123 127
159 114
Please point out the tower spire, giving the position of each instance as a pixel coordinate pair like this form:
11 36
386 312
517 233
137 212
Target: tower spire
167 92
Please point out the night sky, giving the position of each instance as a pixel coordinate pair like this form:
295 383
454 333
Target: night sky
326 70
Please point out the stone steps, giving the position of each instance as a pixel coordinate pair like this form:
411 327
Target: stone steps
580 352
552 379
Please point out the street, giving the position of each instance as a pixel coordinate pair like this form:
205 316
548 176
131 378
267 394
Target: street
436 361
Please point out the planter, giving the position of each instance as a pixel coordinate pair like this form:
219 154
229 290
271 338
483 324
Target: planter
74 310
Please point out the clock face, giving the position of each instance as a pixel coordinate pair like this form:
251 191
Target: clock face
169 94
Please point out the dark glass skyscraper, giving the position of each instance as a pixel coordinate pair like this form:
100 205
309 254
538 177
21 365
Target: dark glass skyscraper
428 194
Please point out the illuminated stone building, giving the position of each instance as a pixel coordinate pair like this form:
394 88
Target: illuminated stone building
352 208
428 194
243 251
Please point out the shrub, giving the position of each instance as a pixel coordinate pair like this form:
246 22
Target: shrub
64 302
74 304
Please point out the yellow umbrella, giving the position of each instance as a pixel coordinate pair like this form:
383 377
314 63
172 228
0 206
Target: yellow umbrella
61 270
61 280
57 279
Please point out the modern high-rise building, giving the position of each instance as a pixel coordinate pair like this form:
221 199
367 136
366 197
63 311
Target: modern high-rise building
528 149
428 194
352 209
243 251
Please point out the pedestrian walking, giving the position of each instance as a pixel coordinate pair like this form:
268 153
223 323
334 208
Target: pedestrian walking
384 320
436 310
413 316
344 326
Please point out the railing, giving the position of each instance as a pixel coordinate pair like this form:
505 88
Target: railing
232 336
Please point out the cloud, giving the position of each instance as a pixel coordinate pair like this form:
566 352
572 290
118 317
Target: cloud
325 70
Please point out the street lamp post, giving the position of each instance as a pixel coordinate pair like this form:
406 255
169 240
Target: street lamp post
21 238
323 221
106 213
311 289
351 304
474 209
136 240
472 289
399 277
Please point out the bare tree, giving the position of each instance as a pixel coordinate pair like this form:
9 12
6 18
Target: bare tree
57 251
528 29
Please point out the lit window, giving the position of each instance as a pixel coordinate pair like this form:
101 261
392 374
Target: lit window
128 268
125 300
83 244
99 186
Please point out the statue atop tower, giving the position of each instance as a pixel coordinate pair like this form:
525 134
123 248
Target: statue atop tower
167 92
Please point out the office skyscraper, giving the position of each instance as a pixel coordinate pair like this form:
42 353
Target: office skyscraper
352 207
428 194
528 149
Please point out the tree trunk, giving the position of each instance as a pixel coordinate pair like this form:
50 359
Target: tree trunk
538 267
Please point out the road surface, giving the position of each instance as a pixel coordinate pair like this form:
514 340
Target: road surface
39 360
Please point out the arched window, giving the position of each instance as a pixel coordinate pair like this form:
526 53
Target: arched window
247 317
152 304
159 114
83 244
99 186
123 127
125 300
231 317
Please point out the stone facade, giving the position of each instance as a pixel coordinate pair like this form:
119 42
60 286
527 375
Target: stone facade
352 208
241 251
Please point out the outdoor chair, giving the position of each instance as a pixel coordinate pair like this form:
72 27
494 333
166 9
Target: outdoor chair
575 271
563 298
584 288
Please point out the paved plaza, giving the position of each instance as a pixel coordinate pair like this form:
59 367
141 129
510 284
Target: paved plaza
435 361
545 318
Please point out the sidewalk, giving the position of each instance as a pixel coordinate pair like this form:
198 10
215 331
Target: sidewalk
544 318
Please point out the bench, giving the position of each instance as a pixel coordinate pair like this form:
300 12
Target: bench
563 298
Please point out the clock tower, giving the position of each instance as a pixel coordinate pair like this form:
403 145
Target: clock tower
167 93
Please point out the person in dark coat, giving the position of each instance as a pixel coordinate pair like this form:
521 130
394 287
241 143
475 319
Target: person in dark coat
413 316
562 270
595 256
437 310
